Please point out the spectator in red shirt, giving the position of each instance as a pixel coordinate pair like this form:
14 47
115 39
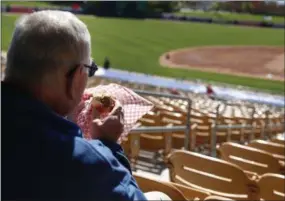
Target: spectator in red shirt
210 92
174 91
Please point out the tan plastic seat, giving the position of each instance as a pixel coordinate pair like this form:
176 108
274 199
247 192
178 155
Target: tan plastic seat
259 127
199 119
217 198
272 187
173 115
131 147
277 150
233 134
155 142
279 138
201 135
250 159
165 121
148 122
277 126
178 138
209 174
191 193
148 185
151 117
278 141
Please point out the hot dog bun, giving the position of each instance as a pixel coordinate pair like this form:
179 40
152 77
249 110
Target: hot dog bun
103 103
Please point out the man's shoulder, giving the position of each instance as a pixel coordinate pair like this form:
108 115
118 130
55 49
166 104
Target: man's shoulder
91 152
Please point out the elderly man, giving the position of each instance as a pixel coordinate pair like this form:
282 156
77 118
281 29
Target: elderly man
43 154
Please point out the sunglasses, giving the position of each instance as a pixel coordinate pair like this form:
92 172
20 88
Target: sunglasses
91 69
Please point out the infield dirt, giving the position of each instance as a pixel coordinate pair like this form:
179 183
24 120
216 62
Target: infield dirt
252 61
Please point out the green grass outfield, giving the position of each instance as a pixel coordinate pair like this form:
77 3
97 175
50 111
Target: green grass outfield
136 45
229 16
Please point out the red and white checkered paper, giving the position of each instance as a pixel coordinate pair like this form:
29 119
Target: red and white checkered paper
134 107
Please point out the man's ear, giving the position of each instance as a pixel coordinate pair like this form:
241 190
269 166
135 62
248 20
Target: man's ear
74 83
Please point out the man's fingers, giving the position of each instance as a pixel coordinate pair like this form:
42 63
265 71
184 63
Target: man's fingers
95 113
117 110
96 131
97 122
119 113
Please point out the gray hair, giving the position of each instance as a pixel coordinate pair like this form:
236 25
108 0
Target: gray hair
43 41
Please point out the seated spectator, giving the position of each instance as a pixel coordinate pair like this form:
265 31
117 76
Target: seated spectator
210 92
44 156
174 91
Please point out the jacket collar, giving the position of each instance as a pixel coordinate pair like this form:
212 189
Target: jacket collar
20 101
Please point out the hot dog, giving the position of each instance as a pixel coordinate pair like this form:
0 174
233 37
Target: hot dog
103 104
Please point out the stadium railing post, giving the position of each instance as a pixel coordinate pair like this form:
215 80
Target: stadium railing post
213 132
188 126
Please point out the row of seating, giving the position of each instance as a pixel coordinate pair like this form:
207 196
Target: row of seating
200 133
173 190
242 172
263 189
198 177
169 112
201 101
257 158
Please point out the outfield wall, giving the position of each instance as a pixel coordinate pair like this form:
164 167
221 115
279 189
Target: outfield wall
164 16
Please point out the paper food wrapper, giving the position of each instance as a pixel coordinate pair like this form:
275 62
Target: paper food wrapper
134 107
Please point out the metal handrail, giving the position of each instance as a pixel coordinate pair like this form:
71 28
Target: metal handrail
151 93
237 126
158 129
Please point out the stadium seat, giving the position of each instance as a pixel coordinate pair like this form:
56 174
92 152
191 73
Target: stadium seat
278 140
202 133
148 185
277 150
272 187
251 160
213 175
217 198
191 193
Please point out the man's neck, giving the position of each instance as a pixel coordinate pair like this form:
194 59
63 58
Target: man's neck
45 94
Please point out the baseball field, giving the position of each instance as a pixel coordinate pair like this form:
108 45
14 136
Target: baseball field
137 45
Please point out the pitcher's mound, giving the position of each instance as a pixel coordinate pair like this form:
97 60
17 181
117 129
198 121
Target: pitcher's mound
254 61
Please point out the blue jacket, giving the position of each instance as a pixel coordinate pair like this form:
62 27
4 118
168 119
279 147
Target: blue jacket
44 156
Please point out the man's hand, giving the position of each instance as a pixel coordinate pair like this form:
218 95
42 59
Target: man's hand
111 127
